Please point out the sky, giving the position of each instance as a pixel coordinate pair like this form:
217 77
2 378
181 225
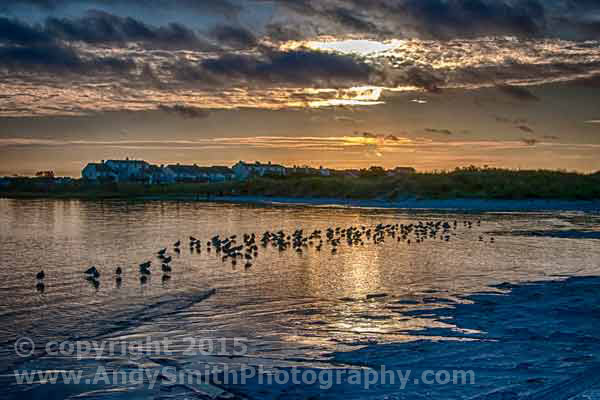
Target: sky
433 84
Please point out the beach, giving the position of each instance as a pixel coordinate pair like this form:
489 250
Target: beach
501 305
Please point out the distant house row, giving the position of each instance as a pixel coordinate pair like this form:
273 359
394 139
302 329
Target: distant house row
141 171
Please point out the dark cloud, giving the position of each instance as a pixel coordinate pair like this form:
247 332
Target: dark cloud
350 19
438 19
506 120
232 36
518 93
471 18
368 135
185 111
447 132
220 7
98 27
59 59
17 32
300 67
380 137
530 141
424 79
526 128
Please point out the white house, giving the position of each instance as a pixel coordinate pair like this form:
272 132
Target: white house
128 170
308 171
157 175
195 173
244 170
99 172
185 173
218 173
125 171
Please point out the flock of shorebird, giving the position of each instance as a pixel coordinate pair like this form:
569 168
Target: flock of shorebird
246 249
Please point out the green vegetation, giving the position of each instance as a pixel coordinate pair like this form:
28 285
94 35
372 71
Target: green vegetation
471 182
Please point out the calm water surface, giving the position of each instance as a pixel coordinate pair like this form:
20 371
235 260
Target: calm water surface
293 308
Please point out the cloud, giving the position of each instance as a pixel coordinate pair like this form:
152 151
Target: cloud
350 120
99 27
235 37
424 79
60 60
299 67
506 120
226 62
441 131
518 93
17 32
184 111
525 128
219 7
530 141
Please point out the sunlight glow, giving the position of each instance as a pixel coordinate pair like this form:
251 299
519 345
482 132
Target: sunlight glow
361 47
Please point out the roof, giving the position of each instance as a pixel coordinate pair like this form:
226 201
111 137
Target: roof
154 169
218 169
127 161
259 164
185 169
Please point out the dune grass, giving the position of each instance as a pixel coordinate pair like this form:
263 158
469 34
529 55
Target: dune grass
461 183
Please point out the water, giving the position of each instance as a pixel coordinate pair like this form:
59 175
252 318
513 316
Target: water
294 309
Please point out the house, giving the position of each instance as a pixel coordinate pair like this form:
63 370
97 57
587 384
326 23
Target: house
219 173
185 173
157 175
99 172
128 170
195 173
307 171
245 170
125 171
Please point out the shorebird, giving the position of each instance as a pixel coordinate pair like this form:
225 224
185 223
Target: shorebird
91 270
145 265
40 275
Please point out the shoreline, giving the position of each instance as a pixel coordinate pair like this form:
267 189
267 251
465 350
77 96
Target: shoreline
456 204
423 204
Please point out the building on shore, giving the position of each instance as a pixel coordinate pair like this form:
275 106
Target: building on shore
99 172
305 170
143 172
195 173
244 170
